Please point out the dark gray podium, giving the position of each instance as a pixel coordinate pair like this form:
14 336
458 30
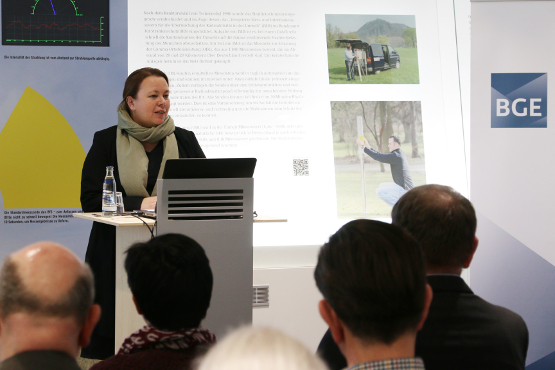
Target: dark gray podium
218 214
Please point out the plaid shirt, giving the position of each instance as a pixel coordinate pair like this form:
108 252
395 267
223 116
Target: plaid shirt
410 363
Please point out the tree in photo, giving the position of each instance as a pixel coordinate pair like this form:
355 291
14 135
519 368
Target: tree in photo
332 34
410 37
381 39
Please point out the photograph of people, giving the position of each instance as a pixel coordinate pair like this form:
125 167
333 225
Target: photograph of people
390 192
379 154
375 49
349 57
137 147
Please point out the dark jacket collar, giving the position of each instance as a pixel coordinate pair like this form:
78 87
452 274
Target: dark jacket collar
449 283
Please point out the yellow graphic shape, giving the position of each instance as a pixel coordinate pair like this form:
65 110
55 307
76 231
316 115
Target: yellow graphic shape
40 157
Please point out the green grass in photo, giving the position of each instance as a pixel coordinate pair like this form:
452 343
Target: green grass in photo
407 74
349 192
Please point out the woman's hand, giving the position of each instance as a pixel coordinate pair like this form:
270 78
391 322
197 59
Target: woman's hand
149 203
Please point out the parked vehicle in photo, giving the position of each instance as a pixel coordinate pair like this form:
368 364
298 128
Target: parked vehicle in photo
379 57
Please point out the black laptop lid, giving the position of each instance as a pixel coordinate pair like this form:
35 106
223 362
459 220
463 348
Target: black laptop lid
209 168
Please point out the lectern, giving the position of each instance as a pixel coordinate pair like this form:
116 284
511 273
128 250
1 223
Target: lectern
130 230
216 210
218 214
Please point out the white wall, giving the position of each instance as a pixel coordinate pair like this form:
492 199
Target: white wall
293 303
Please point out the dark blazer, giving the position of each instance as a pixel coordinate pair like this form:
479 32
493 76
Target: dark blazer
462 332
101 250
103 154
465 332
44 360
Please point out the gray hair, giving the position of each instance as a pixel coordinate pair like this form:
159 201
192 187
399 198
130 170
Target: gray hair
16 297
251 348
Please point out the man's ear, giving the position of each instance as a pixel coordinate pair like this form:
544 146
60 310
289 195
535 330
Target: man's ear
330 317
427 301
88 326
471 255
136 305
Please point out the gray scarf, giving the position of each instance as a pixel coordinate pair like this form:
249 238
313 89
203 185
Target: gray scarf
132 159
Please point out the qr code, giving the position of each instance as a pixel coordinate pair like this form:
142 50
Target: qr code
300 167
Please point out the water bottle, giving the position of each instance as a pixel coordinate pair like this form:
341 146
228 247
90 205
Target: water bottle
109 207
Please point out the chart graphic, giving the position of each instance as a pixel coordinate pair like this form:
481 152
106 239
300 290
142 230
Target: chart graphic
55 22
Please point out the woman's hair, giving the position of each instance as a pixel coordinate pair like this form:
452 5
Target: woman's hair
133 83
251 348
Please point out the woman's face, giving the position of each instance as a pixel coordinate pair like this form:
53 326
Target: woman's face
152 104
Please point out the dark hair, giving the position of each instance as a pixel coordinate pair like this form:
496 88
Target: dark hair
442 220
395 139
372 274
16 297
133 83
171 280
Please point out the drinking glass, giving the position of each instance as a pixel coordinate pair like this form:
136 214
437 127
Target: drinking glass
119 203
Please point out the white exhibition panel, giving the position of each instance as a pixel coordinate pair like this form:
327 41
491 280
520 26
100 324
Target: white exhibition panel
511 176
511 179
178 38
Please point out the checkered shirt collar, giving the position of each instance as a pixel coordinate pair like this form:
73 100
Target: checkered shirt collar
393 364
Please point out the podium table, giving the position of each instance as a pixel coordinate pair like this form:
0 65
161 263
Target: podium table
130 230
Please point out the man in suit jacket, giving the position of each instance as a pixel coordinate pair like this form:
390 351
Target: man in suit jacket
46 308
462 330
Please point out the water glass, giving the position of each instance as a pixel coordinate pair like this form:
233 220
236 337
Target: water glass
119 203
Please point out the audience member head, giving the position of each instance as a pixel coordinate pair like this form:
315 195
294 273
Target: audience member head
373 280
171 281
251 348
443 222
46 301
133 83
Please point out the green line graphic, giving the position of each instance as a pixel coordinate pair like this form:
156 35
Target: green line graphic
55 22
72 3
34 6
75 7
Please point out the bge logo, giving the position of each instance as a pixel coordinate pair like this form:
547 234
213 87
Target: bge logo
518 100
504 110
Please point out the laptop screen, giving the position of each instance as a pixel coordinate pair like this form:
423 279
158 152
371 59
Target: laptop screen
209 168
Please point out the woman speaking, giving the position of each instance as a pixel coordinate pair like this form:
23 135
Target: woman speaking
138 147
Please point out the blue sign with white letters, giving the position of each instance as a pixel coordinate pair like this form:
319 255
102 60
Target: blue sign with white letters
519 100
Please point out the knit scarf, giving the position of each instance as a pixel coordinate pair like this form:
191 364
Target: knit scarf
132 158
151 338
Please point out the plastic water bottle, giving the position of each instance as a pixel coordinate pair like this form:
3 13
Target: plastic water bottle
109 207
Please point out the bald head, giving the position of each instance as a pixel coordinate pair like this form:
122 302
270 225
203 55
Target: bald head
46 279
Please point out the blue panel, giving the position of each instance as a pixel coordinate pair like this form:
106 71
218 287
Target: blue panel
519 100
506 83
507 273
546 363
